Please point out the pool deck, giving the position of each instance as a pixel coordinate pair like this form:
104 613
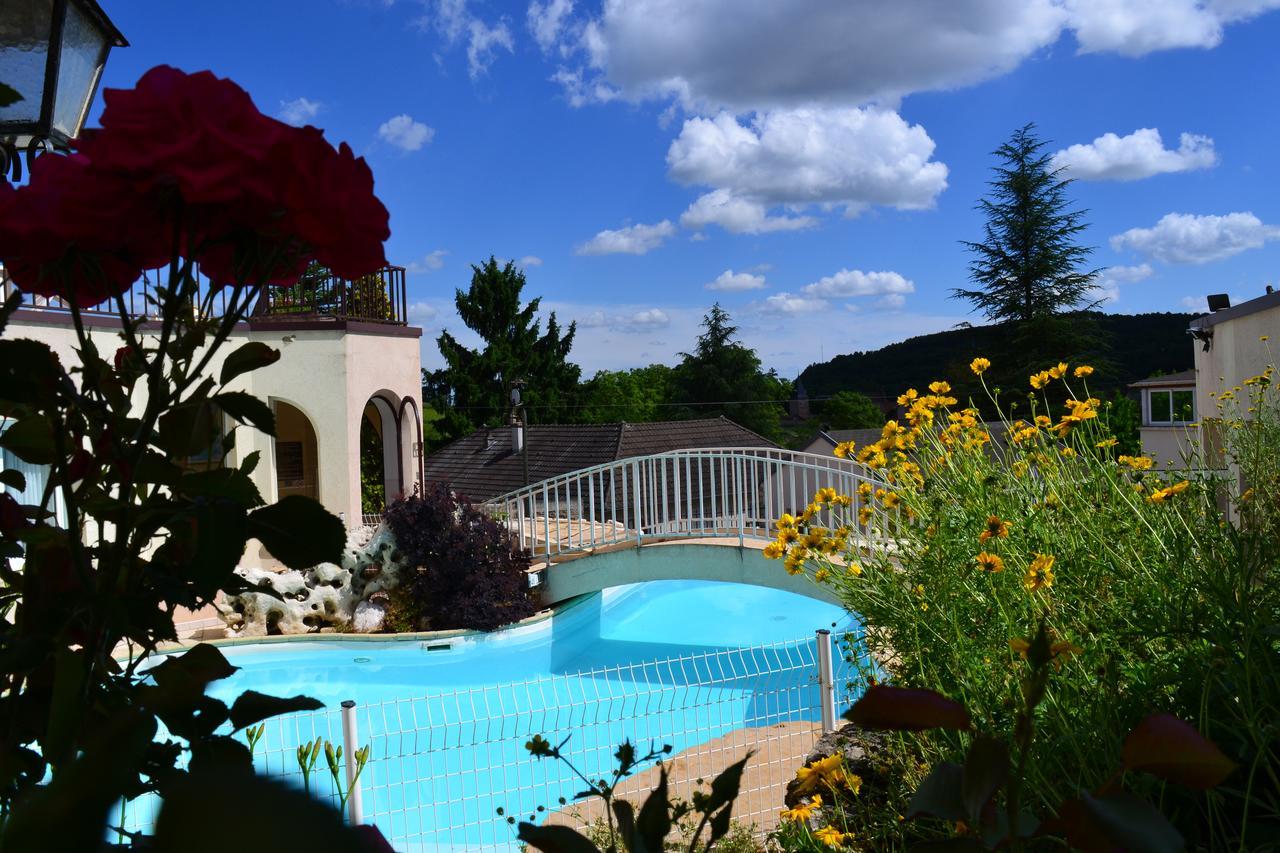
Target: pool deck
778 751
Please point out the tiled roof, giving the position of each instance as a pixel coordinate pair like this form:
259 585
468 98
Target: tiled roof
482 465
1185 377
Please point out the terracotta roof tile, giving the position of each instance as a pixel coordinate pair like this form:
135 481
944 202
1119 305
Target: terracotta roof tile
482 465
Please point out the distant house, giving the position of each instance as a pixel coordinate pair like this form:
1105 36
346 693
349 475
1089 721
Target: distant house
1168 415
1231 345
490 462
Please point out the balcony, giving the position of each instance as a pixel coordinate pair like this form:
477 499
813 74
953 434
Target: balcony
318 298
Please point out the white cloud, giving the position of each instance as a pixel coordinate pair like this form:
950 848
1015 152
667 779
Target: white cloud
735 282
531 261
745 55
891 301
422 312
547 20
754 54
1138 27
631 240
429 263
851 283
299 111
1106 287
850 157
635 322
790 303
1198 304
452 19
1141 154
483 42
738 215
581 90
1184 238
405 133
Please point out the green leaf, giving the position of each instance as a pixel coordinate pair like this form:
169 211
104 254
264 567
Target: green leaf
986 769
1165 746
29 371
13 479
626 816
8 95
70 813
554 839
187 430
197 667
654 822
252 707
247 409
940 794
31 440
1132 824
154 468
906 709
724 788
250 462
299 532
221 755
214 811
229 483
205 544
247 357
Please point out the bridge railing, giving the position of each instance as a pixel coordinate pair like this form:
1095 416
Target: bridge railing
703 493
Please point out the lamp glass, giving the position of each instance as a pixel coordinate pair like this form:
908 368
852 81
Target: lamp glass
25 28
83 52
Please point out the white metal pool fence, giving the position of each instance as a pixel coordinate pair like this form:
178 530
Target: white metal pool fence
719 492
442 765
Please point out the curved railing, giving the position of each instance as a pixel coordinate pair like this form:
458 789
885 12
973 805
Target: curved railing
735 493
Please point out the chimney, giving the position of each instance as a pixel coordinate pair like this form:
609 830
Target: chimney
517 437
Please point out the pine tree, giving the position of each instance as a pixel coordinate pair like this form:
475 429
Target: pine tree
474 386
723 377
1028 266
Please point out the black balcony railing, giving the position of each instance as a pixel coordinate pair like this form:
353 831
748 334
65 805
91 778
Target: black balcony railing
378 298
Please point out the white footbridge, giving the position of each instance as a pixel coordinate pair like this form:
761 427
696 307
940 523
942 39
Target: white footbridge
594 528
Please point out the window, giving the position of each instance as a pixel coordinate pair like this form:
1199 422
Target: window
1171 406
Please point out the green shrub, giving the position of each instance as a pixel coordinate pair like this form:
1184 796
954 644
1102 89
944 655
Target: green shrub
1155 600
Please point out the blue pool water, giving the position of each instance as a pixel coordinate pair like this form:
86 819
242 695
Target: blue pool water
664 662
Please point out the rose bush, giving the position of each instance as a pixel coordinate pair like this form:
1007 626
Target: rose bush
185 172
186 164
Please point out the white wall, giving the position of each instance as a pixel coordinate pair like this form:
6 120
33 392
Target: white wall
328 374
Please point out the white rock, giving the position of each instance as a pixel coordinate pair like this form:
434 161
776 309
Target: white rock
323 597
368 617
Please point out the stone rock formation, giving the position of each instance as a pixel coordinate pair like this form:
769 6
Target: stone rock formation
322 599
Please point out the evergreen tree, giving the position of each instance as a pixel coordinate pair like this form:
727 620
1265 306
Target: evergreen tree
723 377
473 389
1027 267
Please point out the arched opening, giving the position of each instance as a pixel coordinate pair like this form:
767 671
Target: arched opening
297 458
411 445
380 468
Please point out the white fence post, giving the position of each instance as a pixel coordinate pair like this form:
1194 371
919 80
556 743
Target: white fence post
826 681
351 743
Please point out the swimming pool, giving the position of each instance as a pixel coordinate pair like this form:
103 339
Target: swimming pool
664 662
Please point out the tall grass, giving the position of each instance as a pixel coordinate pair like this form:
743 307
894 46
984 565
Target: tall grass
1160 589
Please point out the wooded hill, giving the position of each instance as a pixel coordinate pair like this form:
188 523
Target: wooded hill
1124 348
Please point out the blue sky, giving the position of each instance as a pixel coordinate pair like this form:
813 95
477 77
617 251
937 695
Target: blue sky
812 165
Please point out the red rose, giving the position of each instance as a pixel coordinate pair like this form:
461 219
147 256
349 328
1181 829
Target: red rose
195 132
75 232
331 205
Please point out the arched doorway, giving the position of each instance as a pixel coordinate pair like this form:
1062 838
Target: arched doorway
381 480
296 456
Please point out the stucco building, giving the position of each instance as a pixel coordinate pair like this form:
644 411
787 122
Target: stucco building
348 357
